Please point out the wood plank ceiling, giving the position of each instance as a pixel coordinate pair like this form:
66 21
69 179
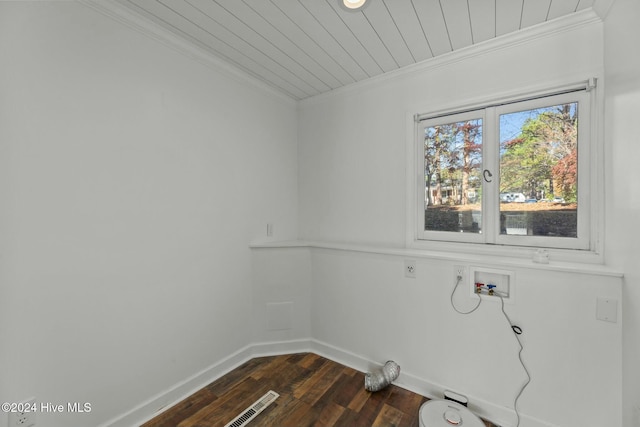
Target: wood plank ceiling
307 47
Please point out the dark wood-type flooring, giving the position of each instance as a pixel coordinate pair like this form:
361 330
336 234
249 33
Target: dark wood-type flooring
314 392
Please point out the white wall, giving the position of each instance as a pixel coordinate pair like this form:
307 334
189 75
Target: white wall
352 178
623 239
132 180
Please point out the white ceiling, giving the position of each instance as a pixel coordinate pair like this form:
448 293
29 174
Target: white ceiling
307 47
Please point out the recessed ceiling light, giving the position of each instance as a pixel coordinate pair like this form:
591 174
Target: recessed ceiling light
352 4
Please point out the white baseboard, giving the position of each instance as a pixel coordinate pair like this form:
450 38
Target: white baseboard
180 391
135 417
282 347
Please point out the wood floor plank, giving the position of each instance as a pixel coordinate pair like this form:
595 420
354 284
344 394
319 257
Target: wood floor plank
414 421
359 399
184 409
330 413
408 421
227 406
324 383
349 418
235 375
288 378
279 409
311 361
404 400
270 365
296 358
307 385
347 389
388 416
368 410
350 371
302 415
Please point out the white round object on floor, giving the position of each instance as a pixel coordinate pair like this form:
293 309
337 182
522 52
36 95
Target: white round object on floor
446 413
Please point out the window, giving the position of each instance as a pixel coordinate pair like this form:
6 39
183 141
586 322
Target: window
515 173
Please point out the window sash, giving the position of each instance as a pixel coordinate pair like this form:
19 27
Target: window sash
443 235
582 241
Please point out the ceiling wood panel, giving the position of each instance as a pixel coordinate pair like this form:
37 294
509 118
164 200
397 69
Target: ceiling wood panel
309 69
508 16
483 20
218 20
560 8
585 4
302 48
456 16
534 12
366 36
385 28
432 21
406 20
336 27
314 29
292 31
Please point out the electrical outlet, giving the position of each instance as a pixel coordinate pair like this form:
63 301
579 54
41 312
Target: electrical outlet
410 268
26 415
458 272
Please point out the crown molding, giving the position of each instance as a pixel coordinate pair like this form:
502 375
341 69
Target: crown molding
139 23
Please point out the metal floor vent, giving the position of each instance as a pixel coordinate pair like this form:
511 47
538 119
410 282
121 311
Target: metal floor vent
252 411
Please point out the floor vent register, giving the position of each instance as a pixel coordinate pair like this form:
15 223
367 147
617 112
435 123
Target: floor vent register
252 411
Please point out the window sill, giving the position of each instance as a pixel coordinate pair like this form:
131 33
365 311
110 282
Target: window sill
467 257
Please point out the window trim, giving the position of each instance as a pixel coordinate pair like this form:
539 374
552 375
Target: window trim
594 159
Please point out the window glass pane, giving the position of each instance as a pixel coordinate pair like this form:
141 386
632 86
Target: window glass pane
539 171
452 184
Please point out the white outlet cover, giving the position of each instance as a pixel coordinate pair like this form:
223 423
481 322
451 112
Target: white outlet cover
410 268
27 419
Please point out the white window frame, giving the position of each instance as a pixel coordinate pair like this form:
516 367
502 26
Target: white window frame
586 248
